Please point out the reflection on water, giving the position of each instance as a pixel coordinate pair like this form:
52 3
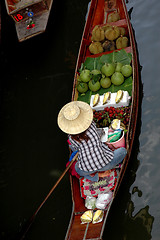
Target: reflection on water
130 222
140 223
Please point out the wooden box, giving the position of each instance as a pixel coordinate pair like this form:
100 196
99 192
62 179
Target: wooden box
21 10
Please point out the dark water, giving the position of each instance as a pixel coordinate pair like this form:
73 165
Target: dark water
36 81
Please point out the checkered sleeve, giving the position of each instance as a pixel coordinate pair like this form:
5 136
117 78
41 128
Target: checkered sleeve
74 144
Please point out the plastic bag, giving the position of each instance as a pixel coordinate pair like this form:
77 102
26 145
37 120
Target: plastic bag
90 202
103 200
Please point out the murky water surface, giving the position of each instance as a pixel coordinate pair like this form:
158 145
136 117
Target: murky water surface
36 81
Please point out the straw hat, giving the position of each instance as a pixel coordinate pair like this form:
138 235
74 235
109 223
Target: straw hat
75 117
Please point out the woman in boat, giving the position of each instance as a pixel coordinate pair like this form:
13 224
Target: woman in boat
94 156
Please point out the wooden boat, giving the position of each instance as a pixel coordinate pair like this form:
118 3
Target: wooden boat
30 16
98 15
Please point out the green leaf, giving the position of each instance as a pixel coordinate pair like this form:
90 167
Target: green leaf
92 63
114 57
86 97
96 77
123 57
81 68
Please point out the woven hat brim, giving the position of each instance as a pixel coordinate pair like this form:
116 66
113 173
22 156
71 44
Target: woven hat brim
78 125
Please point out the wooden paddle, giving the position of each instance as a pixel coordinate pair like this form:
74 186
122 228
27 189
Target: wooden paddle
48 195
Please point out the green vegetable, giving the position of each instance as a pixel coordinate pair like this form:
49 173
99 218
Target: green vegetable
94 86
119 56
82 87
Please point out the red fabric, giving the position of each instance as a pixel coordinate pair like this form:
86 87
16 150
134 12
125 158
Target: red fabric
68 142
72 170
89 188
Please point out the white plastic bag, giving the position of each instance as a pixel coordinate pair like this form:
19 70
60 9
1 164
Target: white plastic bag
103 200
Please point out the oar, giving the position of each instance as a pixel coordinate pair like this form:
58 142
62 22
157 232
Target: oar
55 185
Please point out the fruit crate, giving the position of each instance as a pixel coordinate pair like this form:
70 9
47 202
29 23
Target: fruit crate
124 102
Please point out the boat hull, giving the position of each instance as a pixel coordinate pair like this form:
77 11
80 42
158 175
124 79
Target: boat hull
97 16
30 16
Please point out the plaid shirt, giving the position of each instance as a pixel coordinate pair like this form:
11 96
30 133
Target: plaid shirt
93 154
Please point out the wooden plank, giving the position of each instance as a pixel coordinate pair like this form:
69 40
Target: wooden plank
23 4
84 231
37 9
79 202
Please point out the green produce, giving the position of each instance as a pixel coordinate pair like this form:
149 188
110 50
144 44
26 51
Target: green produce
126 70
94 85
82 87
105 82
96 75
96 72
85 75
114 57
118 67
108 69
117 78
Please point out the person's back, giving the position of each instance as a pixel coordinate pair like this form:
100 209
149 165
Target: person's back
93 154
